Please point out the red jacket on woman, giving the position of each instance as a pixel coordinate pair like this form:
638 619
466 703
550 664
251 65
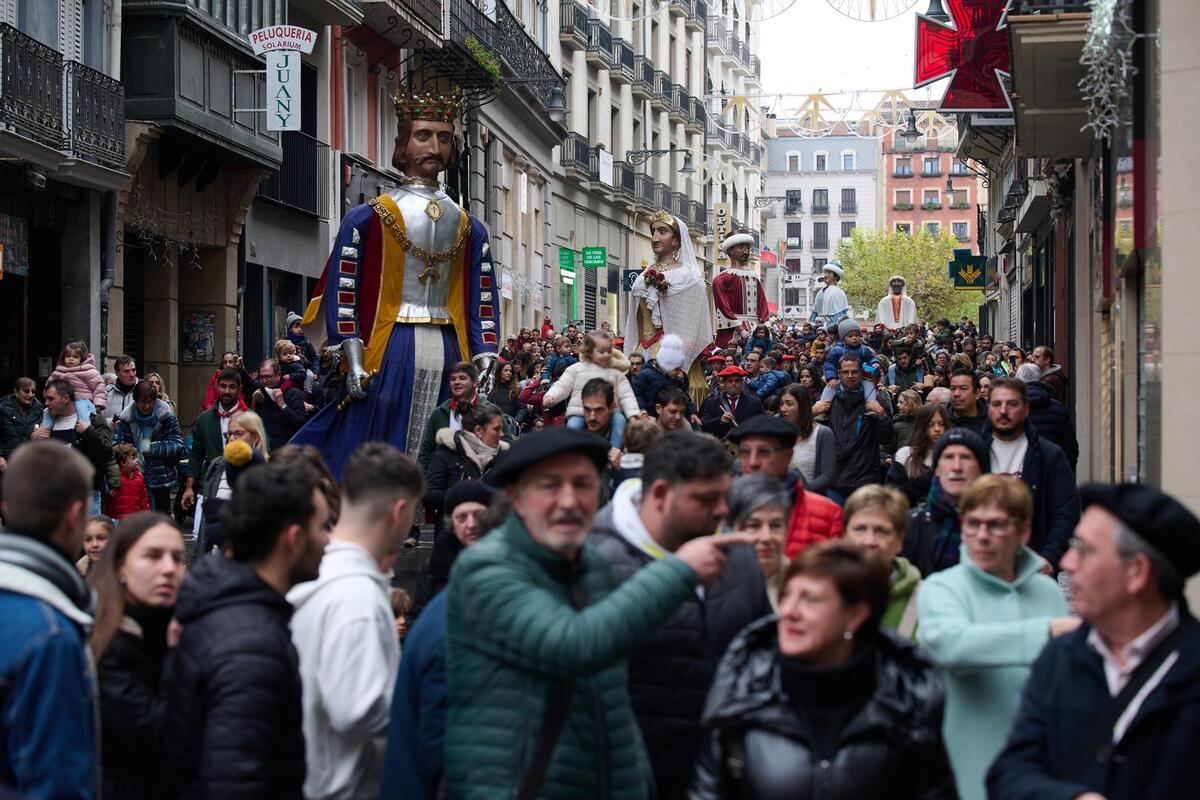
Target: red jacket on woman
814 519
131 497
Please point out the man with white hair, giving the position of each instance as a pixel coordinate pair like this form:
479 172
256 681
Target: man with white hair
1048 416
897 309
830 304
738 293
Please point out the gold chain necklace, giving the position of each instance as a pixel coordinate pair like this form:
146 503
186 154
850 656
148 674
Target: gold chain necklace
406 244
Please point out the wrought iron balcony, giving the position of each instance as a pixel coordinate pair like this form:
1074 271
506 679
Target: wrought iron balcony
623 60
699 216
643 190
718 34
820 244
643 76
678 8
932 173
302 182
756 67
697 14
576 155
573 24
848 209
32 88
699 114
820 210
95 115
661 92
600 44
624 180
902 173
662 196
677 101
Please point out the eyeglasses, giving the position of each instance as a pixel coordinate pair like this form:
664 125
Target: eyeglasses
994 527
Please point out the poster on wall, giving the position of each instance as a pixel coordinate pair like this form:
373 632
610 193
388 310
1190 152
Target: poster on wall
14 237
199 337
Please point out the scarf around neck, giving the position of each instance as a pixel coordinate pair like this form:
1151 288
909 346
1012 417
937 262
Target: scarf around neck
949 540
474 449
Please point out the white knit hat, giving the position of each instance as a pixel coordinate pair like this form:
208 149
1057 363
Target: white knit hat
670 352
833 267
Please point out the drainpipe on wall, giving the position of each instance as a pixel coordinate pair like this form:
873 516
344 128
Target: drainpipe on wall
241 291
108 265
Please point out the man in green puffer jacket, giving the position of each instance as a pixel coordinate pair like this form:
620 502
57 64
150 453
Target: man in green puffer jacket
538 635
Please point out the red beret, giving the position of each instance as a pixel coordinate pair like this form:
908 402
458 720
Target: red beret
732 371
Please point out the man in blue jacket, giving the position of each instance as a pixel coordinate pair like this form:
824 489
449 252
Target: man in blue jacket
47 684
1112 710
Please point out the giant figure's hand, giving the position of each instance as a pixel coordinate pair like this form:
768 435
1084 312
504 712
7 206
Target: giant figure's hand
356 376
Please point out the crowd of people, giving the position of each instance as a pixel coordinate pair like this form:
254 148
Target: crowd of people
857 566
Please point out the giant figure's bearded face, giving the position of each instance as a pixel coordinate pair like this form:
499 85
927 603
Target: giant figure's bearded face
739 254
424 148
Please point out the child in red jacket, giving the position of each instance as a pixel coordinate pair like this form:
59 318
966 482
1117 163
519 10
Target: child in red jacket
132 496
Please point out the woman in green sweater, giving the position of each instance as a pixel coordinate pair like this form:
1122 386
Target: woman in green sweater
984 622
876 518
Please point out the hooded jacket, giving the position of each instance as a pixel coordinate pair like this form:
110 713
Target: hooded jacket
650 380
131 497
756 744
673 665
47 681
1052 421
166 444
902 592
345 635
234 725
118 398
984 633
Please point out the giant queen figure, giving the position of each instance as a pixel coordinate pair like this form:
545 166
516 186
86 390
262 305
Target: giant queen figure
408 290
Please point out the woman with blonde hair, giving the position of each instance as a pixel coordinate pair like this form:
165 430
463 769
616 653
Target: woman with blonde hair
217 485
156 380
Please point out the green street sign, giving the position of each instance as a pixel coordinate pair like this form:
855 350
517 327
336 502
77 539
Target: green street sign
595 257
968 272
566 258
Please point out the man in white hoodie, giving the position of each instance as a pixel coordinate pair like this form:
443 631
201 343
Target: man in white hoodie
344 630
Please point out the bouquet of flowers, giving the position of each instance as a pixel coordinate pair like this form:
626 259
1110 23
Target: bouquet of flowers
656 279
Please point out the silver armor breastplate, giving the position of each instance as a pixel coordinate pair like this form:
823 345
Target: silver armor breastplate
426 285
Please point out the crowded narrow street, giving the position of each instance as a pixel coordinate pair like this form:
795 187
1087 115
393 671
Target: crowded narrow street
653 399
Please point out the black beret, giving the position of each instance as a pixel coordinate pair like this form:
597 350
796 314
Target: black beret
968 439
1156 517
467 492
547 443
769 426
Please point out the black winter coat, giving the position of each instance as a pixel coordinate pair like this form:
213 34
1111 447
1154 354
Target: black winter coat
1066 688
978 424
715 406
280 424
132 704
673 666
16 423
924 527
1050 478
650 380
756 745
857 438
234 722
1052 421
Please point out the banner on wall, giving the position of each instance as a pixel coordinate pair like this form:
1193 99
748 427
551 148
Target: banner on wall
721 223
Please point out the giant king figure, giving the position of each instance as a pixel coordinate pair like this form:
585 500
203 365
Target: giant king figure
738 294
408 291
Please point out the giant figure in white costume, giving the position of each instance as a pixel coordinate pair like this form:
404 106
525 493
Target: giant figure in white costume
897 309
830 305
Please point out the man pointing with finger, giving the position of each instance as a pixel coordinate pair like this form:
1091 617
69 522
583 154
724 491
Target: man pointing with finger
680 497
538 633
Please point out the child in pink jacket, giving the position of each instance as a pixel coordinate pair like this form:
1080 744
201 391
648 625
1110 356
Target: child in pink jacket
77 367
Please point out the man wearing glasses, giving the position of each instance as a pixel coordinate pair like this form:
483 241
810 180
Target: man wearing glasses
984 622
764 447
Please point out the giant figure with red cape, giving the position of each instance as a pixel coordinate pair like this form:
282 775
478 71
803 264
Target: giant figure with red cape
408 291
738 293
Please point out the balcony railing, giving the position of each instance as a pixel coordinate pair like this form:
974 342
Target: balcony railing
576 153
681 206
699 114
518 54
32 88
718 34
624 179
662 87
573 24
700 13
756 66
624 59
931 205
820 210
820 244
643 190
662 196
600 43
902 206
848 208
931 173
96 114
643 75
428 11
699 216
678 99
902 173
302 181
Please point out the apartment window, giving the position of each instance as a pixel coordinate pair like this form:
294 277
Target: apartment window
794 266
849 201
356 109
904 227
958 198
791 297
820 236
904 166
932 228
847 161
903 199
819 162
930 197
931 166
819 264
793 162
961 230
959 168
820 201
794 203
847 229
794 230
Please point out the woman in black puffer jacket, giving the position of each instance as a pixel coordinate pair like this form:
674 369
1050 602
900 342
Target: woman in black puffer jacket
136 579
821 703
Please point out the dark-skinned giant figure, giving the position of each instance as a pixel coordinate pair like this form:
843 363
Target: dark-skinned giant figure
408 291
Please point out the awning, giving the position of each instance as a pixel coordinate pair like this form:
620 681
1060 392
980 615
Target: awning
769 258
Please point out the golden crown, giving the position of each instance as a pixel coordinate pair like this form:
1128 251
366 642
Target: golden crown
444 107
664 217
